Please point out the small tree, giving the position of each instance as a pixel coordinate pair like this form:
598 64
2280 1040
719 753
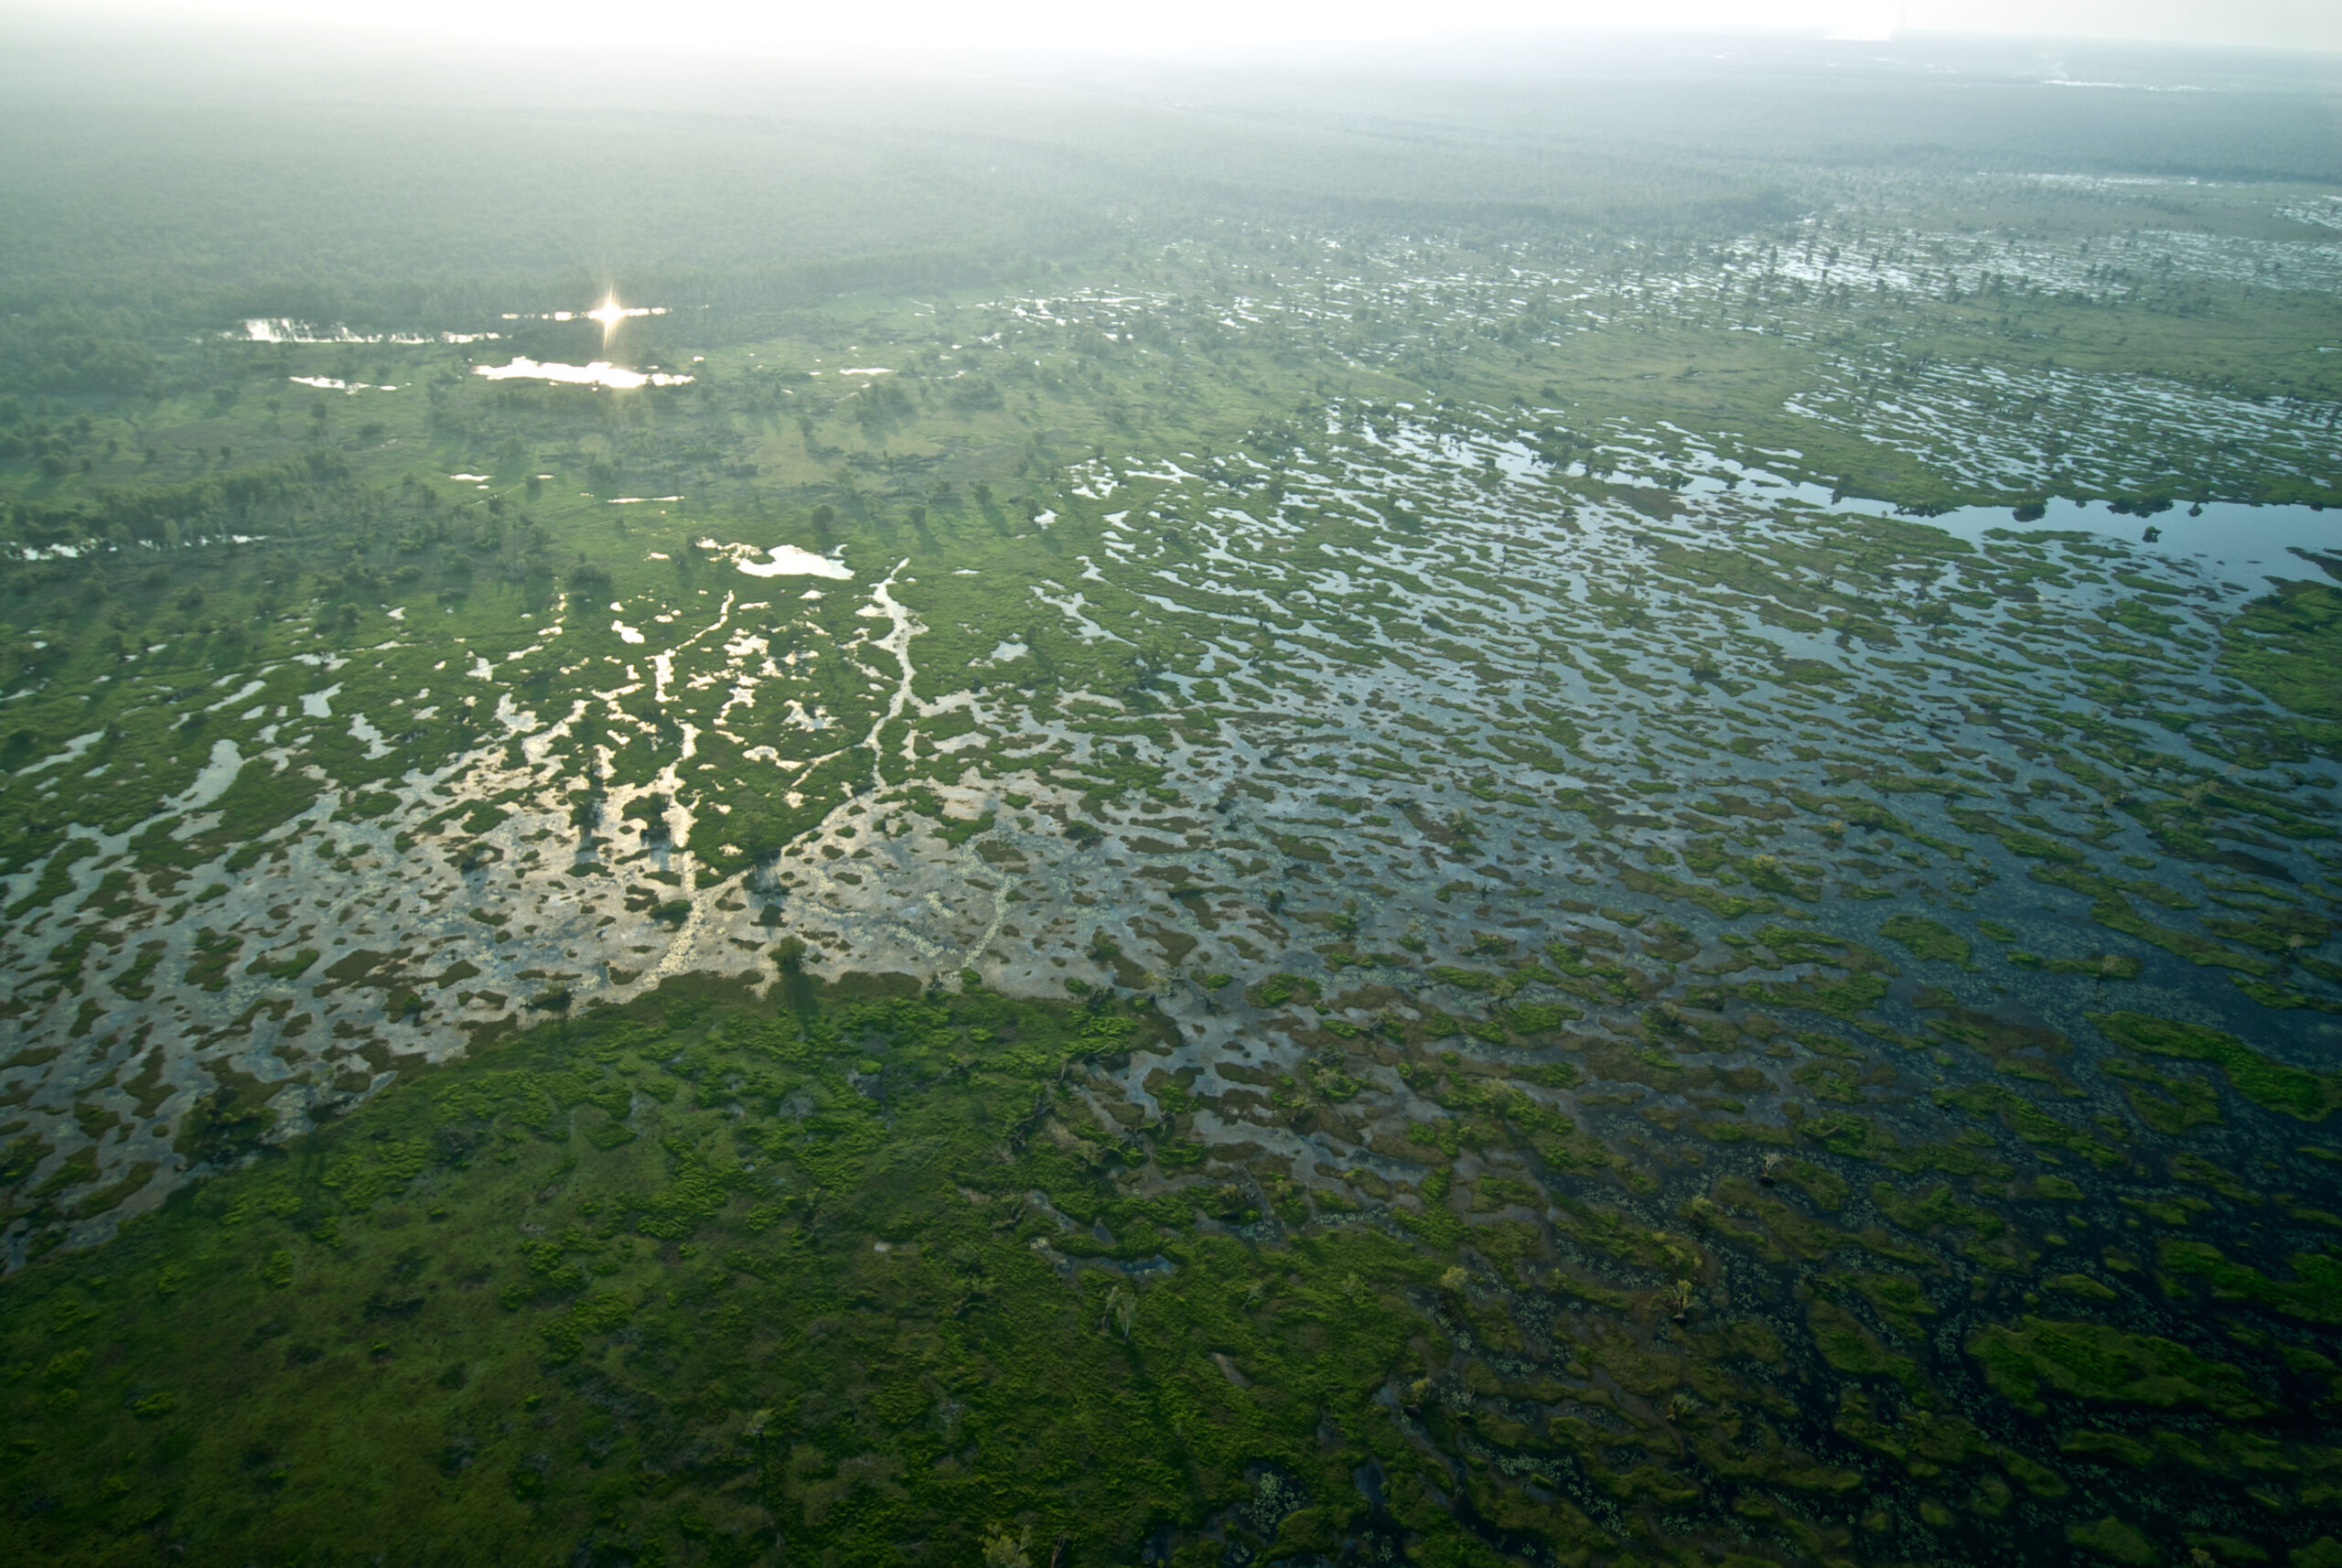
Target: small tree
1121 1307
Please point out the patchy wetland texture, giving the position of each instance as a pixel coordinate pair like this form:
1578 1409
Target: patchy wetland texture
1161 832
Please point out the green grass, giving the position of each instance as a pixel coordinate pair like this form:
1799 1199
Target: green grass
776 1307
2093 1361
2297 1091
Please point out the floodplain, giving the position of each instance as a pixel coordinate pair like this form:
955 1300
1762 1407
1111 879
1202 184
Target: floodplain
1295 883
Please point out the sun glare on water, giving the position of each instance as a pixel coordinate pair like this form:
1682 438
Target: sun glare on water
609 313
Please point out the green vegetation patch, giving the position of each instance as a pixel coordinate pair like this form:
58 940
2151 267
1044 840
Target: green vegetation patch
2287 646
2296 1092
817 1299
2313 1294
1928 938
2092 1361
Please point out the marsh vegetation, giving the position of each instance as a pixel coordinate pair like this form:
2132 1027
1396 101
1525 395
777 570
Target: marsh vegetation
1384 832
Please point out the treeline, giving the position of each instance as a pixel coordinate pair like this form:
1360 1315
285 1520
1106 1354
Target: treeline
413 220
76 349
295 493
117 224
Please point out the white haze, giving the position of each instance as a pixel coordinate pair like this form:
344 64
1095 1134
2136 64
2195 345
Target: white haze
1195 28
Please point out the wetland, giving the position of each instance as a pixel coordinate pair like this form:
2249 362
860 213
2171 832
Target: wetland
1094 848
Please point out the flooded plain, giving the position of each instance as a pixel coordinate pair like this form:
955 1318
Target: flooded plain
1848 994
1405 728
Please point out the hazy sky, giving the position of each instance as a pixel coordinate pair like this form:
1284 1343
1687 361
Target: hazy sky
1193 27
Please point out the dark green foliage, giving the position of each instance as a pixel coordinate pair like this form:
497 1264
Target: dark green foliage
2092 1361
479 1309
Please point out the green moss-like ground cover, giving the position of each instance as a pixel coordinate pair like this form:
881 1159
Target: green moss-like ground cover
2092 1361
856 1270
2297 1091
2288 645
699 1277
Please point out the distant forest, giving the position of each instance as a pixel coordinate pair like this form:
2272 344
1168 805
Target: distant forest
522 188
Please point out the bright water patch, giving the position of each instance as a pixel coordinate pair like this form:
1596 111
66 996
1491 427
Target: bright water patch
329 383
780 560
599 373
2227 532
2230 534
72 752
284 329
212 781
607 314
